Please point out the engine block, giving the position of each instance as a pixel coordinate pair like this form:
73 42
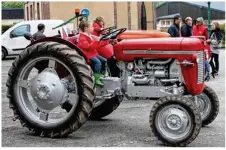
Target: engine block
151 78
153 72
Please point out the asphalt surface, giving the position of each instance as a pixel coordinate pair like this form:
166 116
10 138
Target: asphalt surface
128 126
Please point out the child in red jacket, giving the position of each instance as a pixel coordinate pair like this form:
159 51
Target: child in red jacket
89 47
98 25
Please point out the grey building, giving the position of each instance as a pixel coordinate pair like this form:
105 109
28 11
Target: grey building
188 9
167 10
12 15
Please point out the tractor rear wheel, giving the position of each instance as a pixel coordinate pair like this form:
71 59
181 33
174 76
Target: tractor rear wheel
37 101
105 107
176 121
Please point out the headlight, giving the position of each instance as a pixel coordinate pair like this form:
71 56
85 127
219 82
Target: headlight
130 66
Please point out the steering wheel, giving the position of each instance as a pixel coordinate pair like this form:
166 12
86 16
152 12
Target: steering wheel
108 29
113 34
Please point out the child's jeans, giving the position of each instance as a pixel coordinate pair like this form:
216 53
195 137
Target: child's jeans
207 66
97 62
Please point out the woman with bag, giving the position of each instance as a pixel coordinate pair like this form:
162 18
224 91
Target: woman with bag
215 42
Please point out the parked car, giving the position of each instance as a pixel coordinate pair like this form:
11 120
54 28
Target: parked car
13 41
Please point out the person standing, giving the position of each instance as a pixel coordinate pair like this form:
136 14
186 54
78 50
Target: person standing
174 29
215 42
201 30
40 33
186 29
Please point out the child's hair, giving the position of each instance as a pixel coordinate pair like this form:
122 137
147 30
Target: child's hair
83 24
99 19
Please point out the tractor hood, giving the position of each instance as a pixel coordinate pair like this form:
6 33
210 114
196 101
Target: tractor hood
141 34
171 44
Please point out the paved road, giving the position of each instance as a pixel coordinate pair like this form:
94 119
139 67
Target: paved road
127 126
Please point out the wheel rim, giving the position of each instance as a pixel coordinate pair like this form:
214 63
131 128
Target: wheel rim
47 96
204 105
173 122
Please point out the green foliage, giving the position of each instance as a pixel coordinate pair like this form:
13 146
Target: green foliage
5 27
12 4
158 3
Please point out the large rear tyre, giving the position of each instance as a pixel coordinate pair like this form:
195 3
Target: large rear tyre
175 121
39 121
208 104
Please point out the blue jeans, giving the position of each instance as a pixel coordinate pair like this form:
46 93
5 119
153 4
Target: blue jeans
207 66
97 62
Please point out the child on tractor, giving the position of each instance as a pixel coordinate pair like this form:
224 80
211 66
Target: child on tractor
98 25
89 47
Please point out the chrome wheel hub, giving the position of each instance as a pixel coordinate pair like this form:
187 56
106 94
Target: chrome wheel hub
43 91
173 122
42 96
47 90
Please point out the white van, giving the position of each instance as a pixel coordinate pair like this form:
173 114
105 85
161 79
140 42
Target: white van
13 41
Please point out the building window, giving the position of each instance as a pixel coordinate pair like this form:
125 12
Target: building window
167 23
38 11
31 10
27 13
162 23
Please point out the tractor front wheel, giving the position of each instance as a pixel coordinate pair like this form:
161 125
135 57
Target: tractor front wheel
176 121
208 104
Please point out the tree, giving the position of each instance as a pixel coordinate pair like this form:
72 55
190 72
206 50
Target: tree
12 4
159 3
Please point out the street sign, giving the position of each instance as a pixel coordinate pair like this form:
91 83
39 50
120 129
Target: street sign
85 12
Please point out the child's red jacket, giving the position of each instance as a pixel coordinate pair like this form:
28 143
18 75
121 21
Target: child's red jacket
96 29
89 46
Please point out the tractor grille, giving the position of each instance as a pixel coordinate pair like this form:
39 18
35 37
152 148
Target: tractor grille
200 67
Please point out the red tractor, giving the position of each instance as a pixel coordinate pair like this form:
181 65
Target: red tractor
52 92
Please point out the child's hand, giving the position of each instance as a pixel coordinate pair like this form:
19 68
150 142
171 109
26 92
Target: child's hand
208 41
113 41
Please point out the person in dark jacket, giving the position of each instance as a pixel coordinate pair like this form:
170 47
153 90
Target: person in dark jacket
186 29
39 35
174 29
215 42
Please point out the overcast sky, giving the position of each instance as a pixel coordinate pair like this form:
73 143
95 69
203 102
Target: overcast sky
216 5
